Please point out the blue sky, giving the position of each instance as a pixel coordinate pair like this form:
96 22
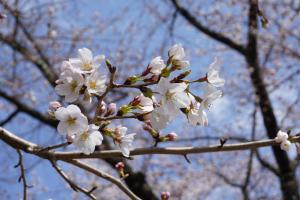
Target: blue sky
109 40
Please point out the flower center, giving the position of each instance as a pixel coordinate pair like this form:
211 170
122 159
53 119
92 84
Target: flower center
71 120
169 95
87 66
93 84
73 86
84 136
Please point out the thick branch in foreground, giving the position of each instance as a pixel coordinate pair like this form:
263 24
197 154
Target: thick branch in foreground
31 148
19 143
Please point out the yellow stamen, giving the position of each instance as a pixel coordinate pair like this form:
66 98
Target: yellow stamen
87 66
71 120
93 84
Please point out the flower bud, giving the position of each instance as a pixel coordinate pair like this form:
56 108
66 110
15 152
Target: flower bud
101 109
53 106
136 101
111 109
171 136
131 80
165 195
119 166
70 138
2 16
125 109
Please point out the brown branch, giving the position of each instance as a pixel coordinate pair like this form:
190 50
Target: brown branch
30 111
22 176
9 118
71 183
56 146
105 176
217 36
20 143
266 164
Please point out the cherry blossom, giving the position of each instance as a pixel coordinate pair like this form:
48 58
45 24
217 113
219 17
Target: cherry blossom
87 140
210 95
71 120
156 65
281 136
160 118
173 95
213 74
70 84
95 83
86 63
124 140
197 115
144 104
176 55
285 145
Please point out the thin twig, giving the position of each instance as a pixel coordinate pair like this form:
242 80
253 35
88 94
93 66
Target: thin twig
105 176
22 176
55 146
71 183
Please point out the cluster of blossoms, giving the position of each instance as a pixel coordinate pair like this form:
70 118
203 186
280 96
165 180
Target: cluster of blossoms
283 139
173 95
162 98
80 76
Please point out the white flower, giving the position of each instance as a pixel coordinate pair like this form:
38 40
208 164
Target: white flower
70 85
124 140
160 118
197 115
156 65
281 136
145 103
213 74
176 55
210 95
174 95
285 145
95 83
87 140
71 120
86 63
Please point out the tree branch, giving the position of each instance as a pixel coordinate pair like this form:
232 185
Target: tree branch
72 184
217 36
105 176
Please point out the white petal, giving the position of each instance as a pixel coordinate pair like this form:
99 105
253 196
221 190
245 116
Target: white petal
73 110
62 127
98 60
85 55
63 89
61 113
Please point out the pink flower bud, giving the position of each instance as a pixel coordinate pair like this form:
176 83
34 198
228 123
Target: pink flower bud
147 127
54 105
2 16
120 166
70 138
102 108
165 195
111 109
58 81
171 136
